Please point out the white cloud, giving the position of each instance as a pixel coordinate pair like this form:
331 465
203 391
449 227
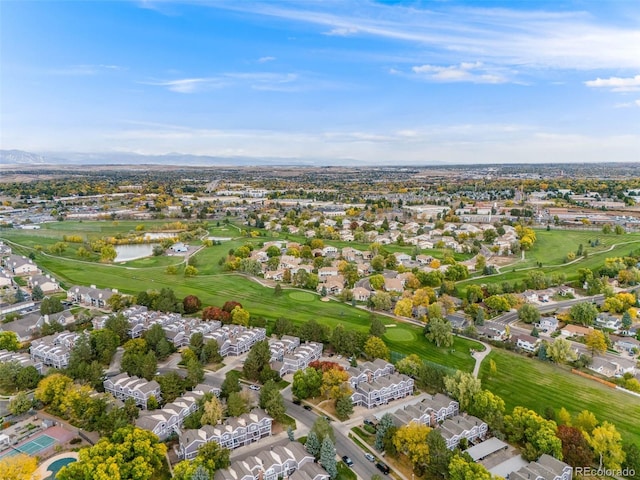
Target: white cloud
254 80
527 38
635 103
341 32
189 85
266 59
616 84
85 70
464 72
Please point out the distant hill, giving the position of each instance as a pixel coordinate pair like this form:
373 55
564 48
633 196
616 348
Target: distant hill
20 157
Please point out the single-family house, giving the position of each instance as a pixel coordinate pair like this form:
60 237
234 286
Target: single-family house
627 344
548 324
530 296
525 342
575 331
565 291
361 294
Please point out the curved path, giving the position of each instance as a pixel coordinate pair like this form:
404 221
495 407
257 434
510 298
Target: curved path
479 357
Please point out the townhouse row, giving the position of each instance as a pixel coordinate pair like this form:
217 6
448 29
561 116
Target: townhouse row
441 412
376 383
290 461
288 355
233 433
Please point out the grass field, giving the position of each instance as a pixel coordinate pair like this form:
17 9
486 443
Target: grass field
538 385
551 250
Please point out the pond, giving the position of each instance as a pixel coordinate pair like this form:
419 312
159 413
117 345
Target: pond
133 252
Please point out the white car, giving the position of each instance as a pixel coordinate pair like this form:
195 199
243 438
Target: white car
255 388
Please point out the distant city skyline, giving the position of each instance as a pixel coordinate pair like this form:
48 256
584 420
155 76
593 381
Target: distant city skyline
394 82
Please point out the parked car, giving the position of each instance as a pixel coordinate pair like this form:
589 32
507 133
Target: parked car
297 402
383 468
307 407
255 388
369 457
347 460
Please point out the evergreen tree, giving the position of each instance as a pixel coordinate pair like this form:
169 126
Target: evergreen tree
383 425
313 444
290 433
328 457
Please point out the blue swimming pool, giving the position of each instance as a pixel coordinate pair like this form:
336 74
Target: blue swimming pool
57 465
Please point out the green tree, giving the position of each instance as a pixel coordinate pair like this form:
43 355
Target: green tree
463 387
306 383
534 433
381 301
322 428
328 457
439 456
376 348
439 331
130 453
104 344
236 405
313 444
344 407
257 360
50 305
9 341
377 327
172 386
195 372
119 325
230 384
272 402
36 293
463 468
385 423
527 313
20 404
560 351
583 313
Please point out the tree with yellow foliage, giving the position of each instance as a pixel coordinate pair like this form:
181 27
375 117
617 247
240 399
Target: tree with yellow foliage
411 439
18 467
332 381
404 308
375 347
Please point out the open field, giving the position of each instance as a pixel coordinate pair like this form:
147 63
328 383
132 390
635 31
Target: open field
537 385
551 250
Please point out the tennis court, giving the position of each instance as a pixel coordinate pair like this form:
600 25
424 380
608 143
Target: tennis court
33 446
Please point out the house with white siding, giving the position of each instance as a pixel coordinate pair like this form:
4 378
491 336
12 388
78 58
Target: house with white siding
233 433
280 461
123 387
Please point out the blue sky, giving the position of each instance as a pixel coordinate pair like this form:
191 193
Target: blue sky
358 82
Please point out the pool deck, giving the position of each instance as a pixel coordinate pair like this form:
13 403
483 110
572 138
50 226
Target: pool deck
43 470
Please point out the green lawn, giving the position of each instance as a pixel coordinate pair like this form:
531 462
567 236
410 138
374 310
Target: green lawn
551 249
537 385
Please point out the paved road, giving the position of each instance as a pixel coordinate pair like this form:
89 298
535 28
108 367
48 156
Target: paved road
344 446
511 317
